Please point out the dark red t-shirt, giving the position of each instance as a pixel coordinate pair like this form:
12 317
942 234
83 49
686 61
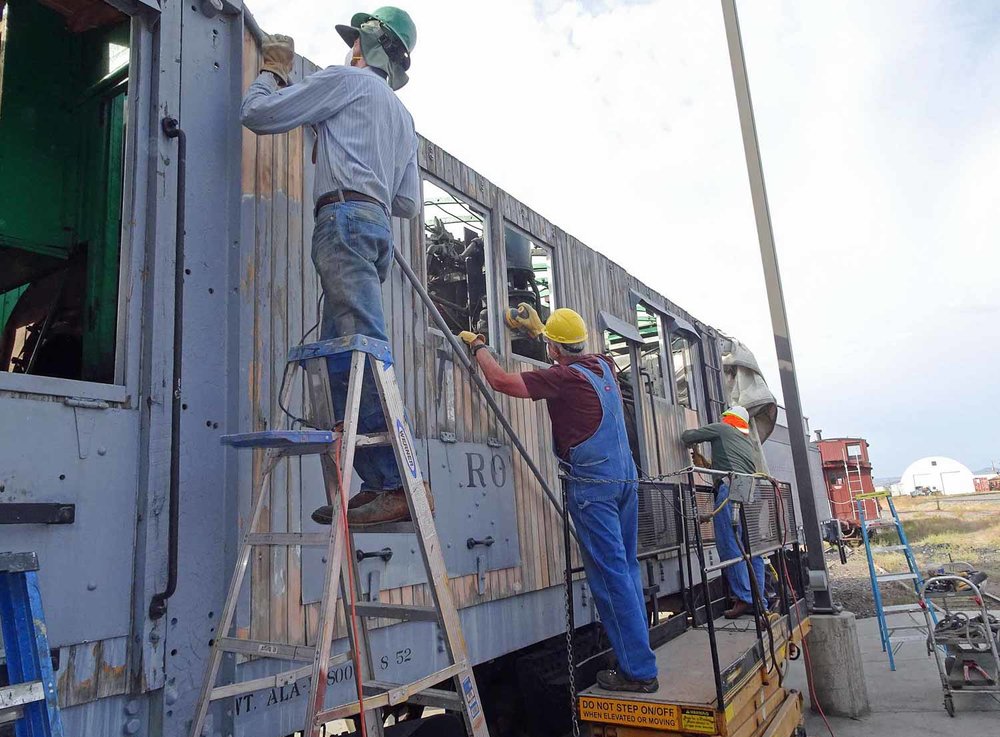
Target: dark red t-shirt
573 405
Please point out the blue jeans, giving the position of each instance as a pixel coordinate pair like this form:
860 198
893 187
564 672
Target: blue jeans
737 576
607 522
352 252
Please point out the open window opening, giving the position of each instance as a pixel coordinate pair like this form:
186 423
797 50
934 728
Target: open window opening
682 362
455 243
651 361
63 86
616 347
530 280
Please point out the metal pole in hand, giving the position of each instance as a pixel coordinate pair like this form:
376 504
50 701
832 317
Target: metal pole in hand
463 357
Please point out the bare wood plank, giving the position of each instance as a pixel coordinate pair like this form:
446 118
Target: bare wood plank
296 309
279 352
260 574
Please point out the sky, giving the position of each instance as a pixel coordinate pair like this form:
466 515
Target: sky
879 126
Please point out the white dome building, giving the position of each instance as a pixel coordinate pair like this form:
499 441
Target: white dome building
937 472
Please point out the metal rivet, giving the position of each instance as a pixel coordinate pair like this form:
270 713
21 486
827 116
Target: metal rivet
132 726
102 451
91 586
132 707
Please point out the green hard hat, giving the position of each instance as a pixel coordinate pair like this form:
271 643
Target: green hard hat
396 20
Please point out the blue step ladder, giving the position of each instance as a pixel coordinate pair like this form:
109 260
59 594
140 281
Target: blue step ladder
29 701
913 632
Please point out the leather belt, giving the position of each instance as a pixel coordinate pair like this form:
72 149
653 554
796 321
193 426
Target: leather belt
342 195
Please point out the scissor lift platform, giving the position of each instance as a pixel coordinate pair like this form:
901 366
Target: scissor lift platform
755 705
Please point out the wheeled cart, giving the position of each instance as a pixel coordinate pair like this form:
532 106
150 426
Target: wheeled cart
964 640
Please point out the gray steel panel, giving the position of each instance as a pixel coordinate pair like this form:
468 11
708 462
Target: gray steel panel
86 567
473 488
118 715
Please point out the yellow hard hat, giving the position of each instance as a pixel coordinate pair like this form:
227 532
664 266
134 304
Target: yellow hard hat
565 326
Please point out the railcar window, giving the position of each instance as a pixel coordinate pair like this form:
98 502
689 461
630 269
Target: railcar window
651 356
616 347
683 366
530 280
63 86
458 266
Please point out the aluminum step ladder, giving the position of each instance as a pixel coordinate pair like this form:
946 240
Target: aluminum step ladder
890 635
351 353
29 701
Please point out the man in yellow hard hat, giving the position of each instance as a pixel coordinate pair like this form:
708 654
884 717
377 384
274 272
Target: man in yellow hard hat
588 430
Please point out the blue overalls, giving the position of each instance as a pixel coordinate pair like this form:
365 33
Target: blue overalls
606 517
737 576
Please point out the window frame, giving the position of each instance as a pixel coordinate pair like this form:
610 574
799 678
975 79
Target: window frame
486 213
134 169
667 383
508 346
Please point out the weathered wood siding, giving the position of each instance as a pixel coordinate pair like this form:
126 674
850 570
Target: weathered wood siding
279 297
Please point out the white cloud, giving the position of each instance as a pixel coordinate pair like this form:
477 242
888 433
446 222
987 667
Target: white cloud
618 122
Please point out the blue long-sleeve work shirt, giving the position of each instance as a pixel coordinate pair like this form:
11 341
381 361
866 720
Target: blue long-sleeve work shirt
366 139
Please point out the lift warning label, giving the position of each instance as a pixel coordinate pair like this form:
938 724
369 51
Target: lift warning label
701 721
631 713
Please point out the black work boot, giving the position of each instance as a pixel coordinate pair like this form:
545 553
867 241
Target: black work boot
612 680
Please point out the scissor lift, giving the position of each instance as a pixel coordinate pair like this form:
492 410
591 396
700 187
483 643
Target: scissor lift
721 678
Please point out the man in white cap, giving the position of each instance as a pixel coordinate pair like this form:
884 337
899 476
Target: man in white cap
731 451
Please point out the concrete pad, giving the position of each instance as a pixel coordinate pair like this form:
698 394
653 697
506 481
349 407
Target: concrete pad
906 702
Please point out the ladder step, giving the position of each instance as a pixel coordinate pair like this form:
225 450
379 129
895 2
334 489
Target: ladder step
389 694
438 698
21 694
262 649
895 628
902 608
897 577
284 678
386 528
299 442
288 538
873 523
887 548
397 611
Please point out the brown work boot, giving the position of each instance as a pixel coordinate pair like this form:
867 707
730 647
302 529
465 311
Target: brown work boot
739 609
386 507
324 515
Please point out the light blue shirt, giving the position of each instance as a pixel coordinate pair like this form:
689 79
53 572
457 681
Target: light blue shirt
366 139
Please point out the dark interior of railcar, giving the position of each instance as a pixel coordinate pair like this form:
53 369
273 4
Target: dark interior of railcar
63 87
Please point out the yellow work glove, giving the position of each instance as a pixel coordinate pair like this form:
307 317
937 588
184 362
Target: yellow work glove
279 55
470 338
524 318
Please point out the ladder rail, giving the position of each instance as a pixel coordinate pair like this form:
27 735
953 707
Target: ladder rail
430 546
337 497
232 596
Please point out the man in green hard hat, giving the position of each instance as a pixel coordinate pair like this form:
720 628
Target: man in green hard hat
366 172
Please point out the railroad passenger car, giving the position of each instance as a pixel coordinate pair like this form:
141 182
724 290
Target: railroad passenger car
95 199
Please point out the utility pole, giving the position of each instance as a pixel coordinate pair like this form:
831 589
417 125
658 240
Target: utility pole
819 581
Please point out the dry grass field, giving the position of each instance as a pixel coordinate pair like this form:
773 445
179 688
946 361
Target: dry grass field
939 531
